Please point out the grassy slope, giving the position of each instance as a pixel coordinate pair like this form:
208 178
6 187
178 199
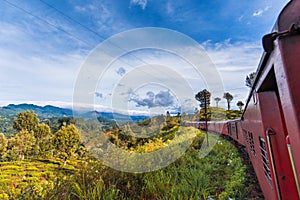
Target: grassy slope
25 178
220 174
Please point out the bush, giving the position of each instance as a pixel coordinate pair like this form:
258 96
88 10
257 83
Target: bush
221 174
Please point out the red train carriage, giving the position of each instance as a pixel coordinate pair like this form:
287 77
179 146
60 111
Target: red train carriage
270 127
219 127
271 114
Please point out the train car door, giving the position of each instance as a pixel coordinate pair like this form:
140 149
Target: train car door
275 134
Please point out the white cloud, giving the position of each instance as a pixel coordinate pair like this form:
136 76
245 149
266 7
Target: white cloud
141 3
241 18
105 21
26 77
234 62
85 8
267 8
259 12
169 8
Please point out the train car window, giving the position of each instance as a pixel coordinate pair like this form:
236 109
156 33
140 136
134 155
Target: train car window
233 128
245 136
265 159
236 130
251 143
229 129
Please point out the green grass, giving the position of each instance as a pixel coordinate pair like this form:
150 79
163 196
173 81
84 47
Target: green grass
33 176
220 175
216 171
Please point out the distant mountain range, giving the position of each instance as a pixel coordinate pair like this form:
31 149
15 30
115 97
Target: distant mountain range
42 111
53 111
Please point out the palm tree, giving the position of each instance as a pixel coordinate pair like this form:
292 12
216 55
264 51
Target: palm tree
228 98
240 104
217 99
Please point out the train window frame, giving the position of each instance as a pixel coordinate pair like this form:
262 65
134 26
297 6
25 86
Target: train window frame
251 143
229 129
265 160
236 130
245 135
232 128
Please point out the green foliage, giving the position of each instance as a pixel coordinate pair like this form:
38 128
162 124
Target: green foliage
3 146
43 145
29 179
66 141
21 145
42 131
204 98
221 174
6 125
233 114
57 123
228 98
163 130
26 121
217 99
33 139
240 104
250 79
189 177
217 114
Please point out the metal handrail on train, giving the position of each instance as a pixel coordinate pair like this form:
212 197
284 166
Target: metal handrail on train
269 132
293 163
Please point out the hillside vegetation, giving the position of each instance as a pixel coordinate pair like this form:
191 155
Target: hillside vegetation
42 162
217 114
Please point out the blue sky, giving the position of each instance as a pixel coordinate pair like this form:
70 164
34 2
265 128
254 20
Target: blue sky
43 43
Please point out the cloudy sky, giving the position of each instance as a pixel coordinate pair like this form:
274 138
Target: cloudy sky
44 45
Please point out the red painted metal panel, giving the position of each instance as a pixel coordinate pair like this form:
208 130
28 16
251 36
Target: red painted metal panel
253 124
287 73
273 126
289 84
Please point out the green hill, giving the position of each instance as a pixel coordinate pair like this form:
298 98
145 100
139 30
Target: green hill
217 114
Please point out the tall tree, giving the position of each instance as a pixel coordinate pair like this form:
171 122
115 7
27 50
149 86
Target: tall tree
26 121
228 98
204 98
217 99
66 141
3 146
21 144
240 104
43 145
250 79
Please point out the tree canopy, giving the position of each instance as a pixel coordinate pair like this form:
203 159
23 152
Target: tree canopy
204 98
3 145
217 99
66 141
26 121
240 104
228 98
250 79
21 145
